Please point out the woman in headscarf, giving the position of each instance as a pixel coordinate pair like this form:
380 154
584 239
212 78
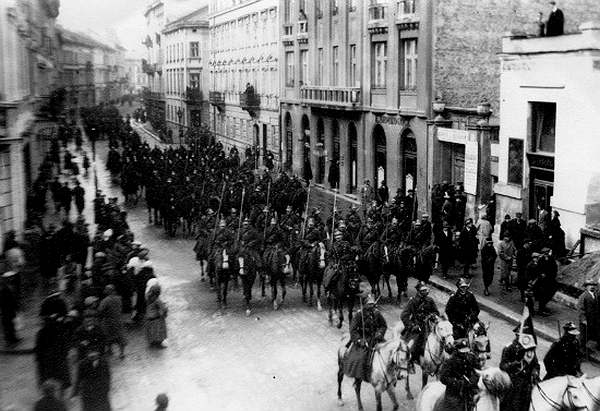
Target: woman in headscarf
156 313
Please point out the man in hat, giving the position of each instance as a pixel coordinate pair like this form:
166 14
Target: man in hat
459 374
488 262
444 240
506 252
367 329
563 358
367 194
556 21
341 250
109 312
462 309
587 307
414 317
520 362
423 233
79 196
505 226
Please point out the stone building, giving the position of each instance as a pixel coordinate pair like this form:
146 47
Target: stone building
136 77
152 65
548 143
186 75
77 69
29 48
244 79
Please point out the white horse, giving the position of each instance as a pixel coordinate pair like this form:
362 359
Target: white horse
493 383
440 340
566 393
389 364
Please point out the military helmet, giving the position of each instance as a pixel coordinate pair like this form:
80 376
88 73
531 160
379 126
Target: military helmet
462 345
222 223
337 234
462 282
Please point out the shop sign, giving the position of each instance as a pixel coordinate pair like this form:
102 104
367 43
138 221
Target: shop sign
452 135
394 120
540 161
471 167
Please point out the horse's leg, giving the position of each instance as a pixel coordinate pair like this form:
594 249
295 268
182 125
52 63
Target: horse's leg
340 378
274 292
357 383
319 306
329 309
225 286
340 309
407 386
219 291
424 378
311 290
392 394
303 286
283 289
387 281
263 281
378 400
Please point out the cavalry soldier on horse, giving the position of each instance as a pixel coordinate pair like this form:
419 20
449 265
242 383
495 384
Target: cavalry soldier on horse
341 250
462 309
414 317
459 375
563 358
367 329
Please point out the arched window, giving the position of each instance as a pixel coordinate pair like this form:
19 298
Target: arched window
409 160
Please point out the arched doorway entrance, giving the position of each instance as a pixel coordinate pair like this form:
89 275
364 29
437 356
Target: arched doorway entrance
353 159
306 169
409 160
320 177
380 154
289 141
334 168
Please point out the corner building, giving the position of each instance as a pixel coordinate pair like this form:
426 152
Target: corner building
244 50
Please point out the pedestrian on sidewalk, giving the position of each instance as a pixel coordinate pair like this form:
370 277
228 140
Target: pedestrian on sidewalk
85 163
488 263
468 246
523 257
445 242
156 314
49 401
109 312
66 196
49 255
8 310
93 383
51 352
587 306
506 252
484 230
79 196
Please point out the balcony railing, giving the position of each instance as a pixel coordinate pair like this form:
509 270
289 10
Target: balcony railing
288 32
250 102
193 95
217 99
302 32
331 96
407 17
378 17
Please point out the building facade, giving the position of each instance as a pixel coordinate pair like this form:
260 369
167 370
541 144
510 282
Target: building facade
244 79
152 65
548 142
28 89
137 79
186 75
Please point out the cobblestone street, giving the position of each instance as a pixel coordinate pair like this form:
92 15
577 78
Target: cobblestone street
223 360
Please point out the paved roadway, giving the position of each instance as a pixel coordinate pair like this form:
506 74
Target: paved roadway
283 360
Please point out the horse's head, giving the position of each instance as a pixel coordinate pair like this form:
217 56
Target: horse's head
445 334
494 381
480 342
401 357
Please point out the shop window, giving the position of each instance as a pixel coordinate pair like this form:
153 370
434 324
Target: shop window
515 161
543 126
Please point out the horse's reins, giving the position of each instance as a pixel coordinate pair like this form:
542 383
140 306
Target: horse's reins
557 405
596 399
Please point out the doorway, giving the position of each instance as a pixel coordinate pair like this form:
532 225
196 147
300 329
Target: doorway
541 191
380 154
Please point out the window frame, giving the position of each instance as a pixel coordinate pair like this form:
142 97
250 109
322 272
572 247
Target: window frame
335 65
379 64
194 46
290 67
409 63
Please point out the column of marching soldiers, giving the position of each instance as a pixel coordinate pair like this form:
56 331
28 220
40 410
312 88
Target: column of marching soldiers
249 224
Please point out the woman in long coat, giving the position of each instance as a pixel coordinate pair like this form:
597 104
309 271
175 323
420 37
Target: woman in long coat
156 313
51 350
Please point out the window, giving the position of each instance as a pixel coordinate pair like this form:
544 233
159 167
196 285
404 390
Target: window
407 7
409 64
289 68
320 66
335 60
194 49
335 7
194 80
380 54
303 67
287 11
353 78
319 9
542 128
353 5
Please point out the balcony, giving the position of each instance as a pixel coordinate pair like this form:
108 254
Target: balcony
331 97
250 102
193 95
378 13
302 32
407 18
217 99
288 32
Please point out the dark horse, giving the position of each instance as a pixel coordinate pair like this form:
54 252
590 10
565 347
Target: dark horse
223 267
370 264
248 263
275 261
398 260
341 286
311 267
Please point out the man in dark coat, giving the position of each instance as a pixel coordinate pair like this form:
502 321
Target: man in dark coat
521 364
444 239
51 350
49 254
587 306
488 261
545 284
468 244
79 196
66 196
556 21
93 383
367 329
523 270
462 309
8 310
517 227
459 375
563 358
414 316
505 226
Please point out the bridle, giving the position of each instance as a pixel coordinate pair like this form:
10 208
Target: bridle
568 393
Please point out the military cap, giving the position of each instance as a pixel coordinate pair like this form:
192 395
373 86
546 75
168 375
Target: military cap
462 282
462 345
421 285
571 328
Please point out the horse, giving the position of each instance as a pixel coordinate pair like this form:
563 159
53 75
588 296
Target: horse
341 287
389 363
439 342
312 264
566 393
492 384
248 264
480 342
399 261
371 264
276 260
222 262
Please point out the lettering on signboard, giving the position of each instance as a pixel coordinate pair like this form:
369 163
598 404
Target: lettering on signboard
516 66
393 120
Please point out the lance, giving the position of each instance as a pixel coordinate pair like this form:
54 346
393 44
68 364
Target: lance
218 213
333 218
306 211
241 214
268 192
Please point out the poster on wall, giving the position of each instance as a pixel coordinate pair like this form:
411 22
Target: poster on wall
471 167
515 161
